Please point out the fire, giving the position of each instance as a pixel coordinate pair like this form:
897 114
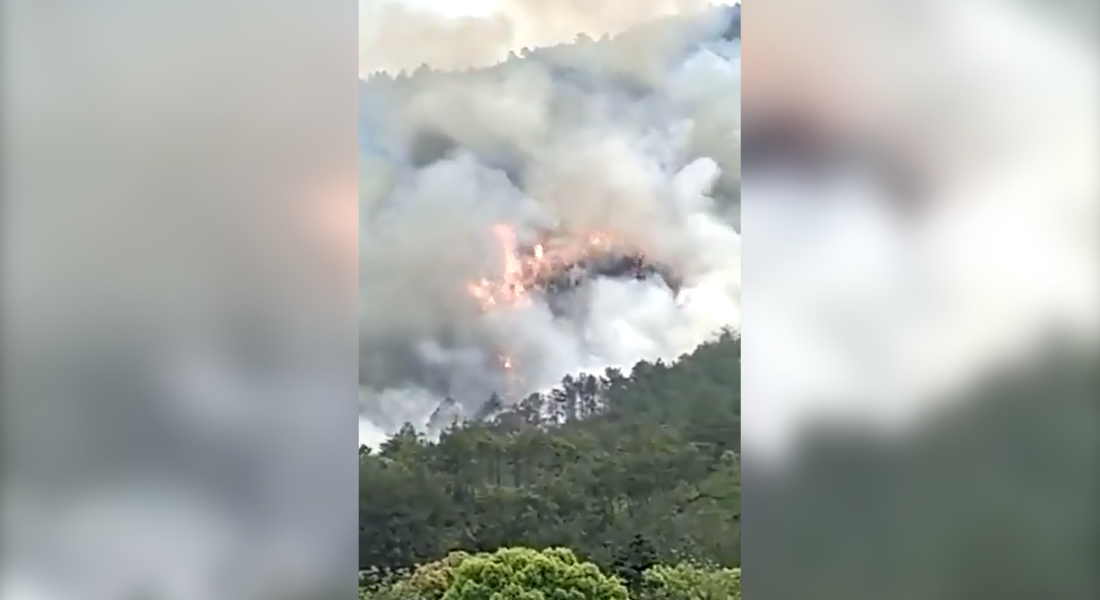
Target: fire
512 378
523 268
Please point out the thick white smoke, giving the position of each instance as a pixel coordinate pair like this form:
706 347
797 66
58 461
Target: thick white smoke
572 139
400 35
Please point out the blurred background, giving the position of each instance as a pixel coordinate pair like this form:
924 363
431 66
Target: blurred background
178 298
919 207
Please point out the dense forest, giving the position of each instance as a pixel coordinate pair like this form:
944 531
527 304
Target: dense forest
628 470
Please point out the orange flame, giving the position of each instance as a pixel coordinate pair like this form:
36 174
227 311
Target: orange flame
513 379
521 269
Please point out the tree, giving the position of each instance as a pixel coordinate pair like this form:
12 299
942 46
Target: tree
507 574
627 468
646 470
687 581
634 560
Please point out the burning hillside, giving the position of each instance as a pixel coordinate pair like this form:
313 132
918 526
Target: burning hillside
568 210
560 263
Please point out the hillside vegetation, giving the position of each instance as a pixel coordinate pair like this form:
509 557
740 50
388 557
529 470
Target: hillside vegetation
629 470
612 486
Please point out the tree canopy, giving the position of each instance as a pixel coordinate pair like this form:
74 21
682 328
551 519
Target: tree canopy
550 574
629 470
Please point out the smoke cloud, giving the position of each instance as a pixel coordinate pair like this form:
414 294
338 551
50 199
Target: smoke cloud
397 36
575 141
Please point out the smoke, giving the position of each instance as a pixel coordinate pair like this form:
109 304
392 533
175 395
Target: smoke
928 221
397 36
571 144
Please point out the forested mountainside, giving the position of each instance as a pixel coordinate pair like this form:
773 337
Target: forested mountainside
688 32
629 470
618 485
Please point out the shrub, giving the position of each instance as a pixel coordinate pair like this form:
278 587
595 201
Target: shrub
688 581
508 574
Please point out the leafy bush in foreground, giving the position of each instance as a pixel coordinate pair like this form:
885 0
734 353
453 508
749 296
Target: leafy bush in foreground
553 574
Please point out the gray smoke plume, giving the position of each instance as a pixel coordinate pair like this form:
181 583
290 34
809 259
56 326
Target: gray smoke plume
626 165
399 35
